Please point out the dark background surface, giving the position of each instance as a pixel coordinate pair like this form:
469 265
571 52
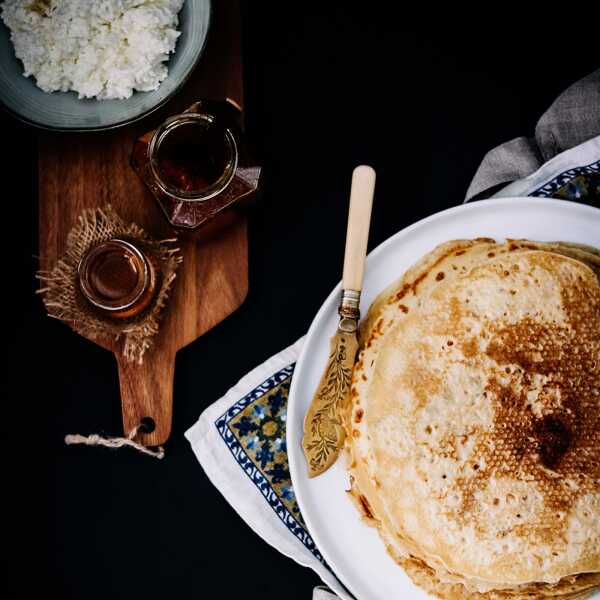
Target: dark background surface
324 91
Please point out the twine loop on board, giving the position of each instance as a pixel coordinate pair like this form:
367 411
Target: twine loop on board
116 442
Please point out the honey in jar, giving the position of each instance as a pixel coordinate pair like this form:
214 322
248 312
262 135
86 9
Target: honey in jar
118 278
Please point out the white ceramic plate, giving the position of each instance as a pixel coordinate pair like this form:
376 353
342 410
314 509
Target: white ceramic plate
352 549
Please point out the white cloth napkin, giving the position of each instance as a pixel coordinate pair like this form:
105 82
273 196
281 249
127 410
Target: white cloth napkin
240 439
568 176
240 443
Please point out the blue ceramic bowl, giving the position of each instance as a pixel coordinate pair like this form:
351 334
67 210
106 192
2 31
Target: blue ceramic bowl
64 111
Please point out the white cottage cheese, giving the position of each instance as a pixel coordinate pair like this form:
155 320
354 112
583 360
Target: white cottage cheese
99 48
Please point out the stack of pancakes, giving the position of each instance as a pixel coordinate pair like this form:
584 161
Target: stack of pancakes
474 423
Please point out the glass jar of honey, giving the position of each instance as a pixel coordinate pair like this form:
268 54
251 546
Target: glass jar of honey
197 164
118 278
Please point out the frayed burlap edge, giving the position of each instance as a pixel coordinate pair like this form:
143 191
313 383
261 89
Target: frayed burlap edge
63 298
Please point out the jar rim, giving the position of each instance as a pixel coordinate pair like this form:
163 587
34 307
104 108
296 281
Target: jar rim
108 306
167 128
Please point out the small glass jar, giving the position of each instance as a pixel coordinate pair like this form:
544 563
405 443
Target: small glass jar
118 278
191 159
196 164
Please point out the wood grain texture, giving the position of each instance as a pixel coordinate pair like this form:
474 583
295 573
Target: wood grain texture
79 170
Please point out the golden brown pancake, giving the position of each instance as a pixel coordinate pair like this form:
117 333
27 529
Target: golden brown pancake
579 586
474 427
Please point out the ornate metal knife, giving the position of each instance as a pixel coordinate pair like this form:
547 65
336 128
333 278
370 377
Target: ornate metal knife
323 428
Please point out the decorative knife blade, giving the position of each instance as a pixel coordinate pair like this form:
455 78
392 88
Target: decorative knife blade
324 432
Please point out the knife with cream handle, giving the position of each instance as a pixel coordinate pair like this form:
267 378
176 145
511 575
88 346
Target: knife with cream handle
323 428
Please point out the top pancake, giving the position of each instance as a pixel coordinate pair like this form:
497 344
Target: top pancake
474 430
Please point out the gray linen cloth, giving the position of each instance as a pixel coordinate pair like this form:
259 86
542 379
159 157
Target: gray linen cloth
573 118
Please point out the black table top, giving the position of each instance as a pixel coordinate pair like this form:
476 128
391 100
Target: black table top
325 91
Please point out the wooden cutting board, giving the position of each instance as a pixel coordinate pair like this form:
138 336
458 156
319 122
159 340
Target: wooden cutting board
87 170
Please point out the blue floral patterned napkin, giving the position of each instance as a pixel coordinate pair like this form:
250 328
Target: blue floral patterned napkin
240 439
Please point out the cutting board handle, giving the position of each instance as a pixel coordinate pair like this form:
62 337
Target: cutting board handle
147 393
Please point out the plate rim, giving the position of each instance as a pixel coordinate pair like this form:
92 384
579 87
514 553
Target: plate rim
295 457
135 119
